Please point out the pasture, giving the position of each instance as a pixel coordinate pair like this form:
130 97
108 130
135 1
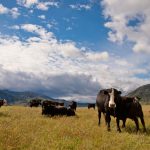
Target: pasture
24 128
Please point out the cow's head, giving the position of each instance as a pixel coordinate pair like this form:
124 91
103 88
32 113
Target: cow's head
113 97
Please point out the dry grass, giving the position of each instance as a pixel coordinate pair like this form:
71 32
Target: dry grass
24 128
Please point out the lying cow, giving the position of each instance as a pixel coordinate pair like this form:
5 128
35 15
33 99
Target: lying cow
73 105
48 102
35 102
3 102
91 106
48 109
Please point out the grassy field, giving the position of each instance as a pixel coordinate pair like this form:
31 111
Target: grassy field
24 128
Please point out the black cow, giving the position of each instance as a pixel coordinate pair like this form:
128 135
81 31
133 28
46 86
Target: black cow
106 105
48 102
73 105
35 102
111 103
52 110
91 105
3 102
129 107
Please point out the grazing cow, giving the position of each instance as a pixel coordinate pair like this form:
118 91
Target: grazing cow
129 107
50 109
3 102
106 104
35 102
73 105
91 106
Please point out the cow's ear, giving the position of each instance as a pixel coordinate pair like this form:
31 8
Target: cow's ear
119 92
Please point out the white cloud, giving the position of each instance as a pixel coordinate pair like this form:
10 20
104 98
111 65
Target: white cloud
45 5
13 12
60 68
3 10
27 3
95 56
80 7
37 30
49 25
16 27
42 16
121 16
38 4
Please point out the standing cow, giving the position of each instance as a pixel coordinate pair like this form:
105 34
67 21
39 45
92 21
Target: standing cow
110 102
106 104
129 107
90 105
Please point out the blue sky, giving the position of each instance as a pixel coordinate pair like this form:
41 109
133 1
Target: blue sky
71 49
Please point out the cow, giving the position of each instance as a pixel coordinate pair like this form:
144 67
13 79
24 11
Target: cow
90 105
129 107
35 102
52 103
52 110
73 105
3 102
110 102
106 105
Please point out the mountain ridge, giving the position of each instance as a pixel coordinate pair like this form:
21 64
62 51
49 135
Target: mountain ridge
143 92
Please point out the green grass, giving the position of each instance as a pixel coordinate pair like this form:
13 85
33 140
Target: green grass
24 128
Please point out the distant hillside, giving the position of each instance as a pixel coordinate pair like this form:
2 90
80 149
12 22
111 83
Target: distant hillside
143 92
19 97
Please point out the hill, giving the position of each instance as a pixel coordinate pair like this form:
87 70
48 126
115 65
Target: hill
19 97
143 92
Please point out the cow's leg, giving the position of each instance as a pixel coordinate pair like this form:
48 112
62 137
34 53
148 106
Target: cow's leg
124 123
99 117
108 119
118 126
137 123
105 118
143 123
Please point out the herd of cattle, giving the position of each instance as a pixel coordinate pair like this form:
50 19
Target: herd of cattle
53 108
108 101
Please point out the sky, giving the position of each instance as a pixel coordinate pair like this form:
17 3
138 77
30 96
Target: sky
71 49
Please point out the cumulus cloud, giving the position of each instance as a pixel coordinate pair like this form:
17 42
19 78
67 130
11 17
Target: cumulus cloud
45 5
95 56
27 3
3 10
38 4
37 30
13 12
81 7
129 22
61 68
